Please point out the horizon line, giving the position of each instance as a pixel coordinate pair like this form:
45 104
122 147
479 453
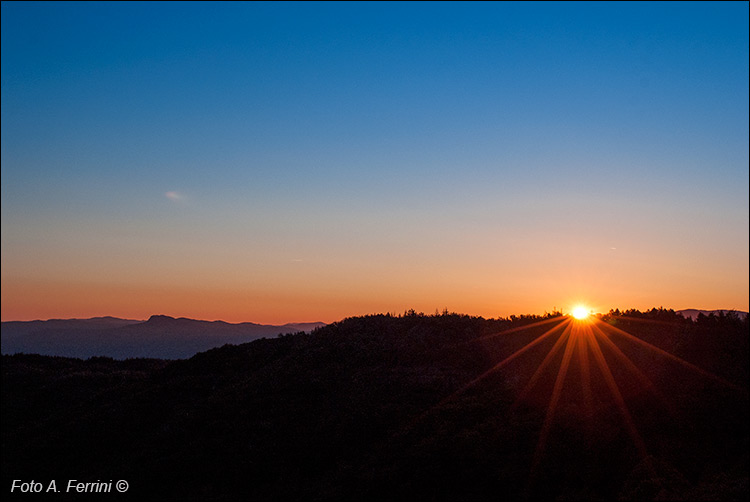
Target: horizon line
360 315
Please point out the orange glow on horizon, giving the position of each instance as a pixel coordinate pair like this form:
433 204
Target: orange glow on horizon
303 299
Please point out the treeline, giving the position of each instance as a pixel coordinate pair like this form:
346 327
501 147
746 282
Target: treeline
669 315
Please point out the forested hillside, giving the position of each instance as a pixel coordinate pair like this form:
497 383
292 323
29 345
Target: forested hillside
396 407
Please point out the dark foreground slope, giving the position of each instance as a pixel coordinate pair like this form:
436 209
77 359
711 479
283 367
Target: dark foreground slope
368 408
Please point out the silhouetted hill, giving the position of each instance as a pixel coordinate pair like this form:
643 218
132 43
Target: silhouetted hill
159 337
693 313
25 327
398 408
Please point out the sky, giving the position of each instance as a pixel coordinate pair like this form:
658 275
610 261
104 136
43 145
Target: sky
288 162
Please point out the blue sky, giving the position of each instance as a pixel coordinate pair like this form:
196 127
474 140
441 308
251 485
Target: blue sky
484 143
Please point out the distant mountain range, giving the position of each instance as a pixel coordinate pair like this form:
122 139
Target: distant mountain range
693 313
162 337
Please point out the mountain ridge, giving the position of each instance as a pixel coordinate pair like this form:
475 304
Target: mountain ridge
161 336
693 313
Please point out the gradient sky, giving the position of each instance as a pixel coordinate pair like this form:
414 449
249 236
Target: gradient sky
301 162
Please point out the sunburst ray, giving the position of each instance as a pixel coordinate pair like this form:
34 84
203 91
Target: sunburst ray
545 362
672 357
616 394
554 399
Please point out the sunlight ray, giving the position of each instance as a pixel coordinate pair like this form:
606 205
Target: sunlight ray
538 373
556 392
645 380
666 354
505 361
494 368
615 390
583 360
521 328
646 321
514 355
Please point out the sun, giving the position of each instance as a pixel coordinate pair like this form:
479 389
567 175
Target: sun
580 312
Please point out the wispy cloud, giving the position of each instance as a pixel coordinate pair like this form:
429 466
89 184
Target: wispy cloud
172 195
